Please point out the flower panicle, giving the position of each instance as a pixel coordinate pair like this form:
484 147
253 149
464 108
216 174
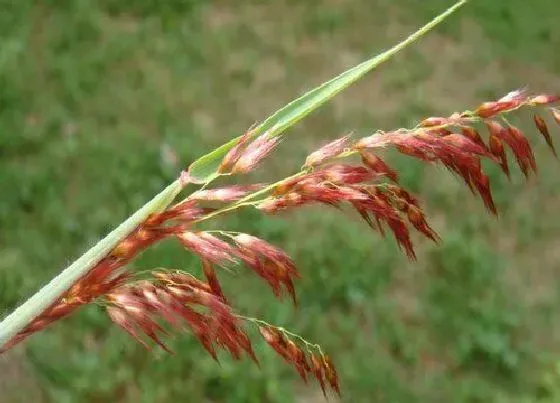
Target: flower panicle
148 309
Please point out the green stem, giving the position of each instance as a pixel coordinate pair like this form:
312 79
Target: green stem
46 296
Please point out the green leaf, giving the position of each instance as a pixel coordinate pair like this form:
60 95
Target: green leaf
205 169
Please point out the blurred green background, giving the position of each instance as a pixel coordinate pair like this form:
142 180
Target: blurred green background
103 102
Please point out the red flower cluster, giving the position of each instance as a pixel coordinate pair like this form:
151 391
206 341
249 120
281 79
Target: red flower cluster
270 263
375 202
179 299
370 188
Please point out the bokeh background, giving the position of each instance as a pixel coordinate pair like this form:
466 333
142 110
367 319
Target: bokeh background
103 102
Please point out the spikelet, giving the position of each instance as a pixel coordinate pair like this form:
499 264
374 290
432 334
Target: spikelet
330 150
254 153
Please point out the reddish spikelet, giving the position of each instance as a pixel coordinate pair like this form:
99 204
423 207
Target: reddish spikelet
517 143
275 339
526 151
519 95
326 152
438 131
212 279
382 139
402 193
510 101
482 184
137 241
135 307
185 212
491 109
274 205
235 152
225 194
376 164
332 195
544 99
330 372
473 135
463 144
267 261
418 220
521 149
402 236
317 370
254 153
181 280
346 174
321 368
497 149
297 182
543 129
456 119
207 246
434 121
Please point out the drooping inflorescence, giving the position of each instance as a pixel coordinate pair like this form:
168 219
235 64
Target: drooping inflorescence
150 308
